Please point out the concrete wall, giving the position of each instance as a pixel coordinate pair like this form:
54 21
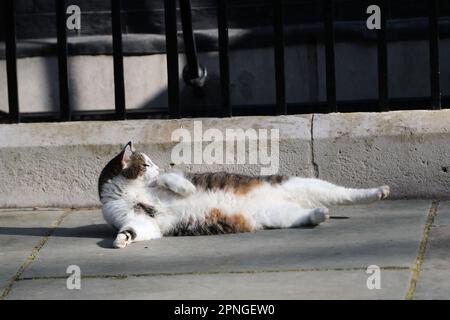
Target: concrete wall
252 77
58 164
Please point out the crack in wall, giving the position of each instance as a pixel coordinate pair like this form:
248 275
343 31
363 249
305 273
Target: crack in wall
314 164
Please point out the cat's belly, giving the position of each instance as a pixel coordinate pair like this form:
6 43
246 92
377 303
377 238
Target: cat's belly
204 203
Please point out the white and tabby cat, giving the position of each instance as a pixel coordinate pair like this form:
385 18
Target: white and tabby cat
143 204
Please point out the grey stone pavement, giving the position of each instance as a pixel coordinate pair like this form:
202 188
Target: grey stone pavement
409 240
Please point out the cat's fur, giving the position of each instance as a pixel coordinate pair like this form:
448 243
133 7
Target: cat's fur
143 204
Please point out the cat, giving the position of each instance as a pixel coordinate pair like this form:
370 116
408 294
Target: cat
143 204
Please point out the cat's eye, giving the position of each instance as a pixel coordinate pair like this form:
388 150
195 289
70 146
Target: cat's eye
146 165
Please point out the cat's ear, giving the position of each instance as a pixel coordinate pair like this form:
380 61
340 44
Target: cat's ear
125 155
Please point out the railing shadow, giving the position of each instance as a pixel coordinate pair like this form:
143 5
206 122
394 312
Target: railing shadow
95 231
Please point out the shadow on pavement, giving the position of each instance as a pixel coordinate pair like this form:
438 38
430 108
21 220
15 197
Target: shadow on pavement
89 231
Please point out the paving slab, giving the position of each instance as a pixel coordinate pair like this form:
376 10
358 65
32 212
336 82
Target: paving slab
434 277
20 231
386 234
272 285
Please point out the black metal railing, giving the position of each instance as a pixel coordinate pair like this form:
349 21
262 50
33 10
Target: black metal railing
330 55
382 57
11 61
195 74
173 90
436 96
280 77
119 81
224 60
63 74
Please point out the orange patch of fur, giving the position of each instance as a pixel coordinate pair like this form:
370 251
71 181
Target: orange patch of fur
244 188
237 222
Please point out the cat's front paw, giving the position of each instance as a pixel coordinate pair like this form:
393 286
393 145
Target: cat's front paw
186 188
383 192
176 184
121 241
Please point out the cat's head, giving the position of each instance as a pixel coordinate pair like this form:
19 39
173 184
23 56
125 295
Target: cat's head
131 165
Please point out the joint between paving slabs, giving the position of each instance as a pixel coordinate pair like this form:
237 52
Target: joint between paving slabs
34 252
169 274
422 250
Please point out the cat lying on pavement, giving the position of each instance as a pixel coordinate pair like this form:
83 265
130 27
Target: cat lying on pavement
142 204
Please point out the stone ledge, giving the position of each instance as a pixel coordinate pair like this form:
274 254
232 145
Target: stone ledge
57 164
408 150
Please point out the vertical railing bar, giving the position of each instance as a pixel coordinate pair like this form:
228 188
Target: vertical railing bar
119 80
63 78
224 61
170 17
280 80
330 56
11 61
382 54
436 97
189 40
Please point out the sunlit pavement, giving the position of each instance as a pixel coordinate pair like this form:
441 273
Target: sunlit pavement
406 244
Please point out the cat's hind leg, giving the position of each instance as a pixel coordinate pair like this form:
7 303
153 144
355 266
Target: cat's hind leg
318 215
320 192
291 215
